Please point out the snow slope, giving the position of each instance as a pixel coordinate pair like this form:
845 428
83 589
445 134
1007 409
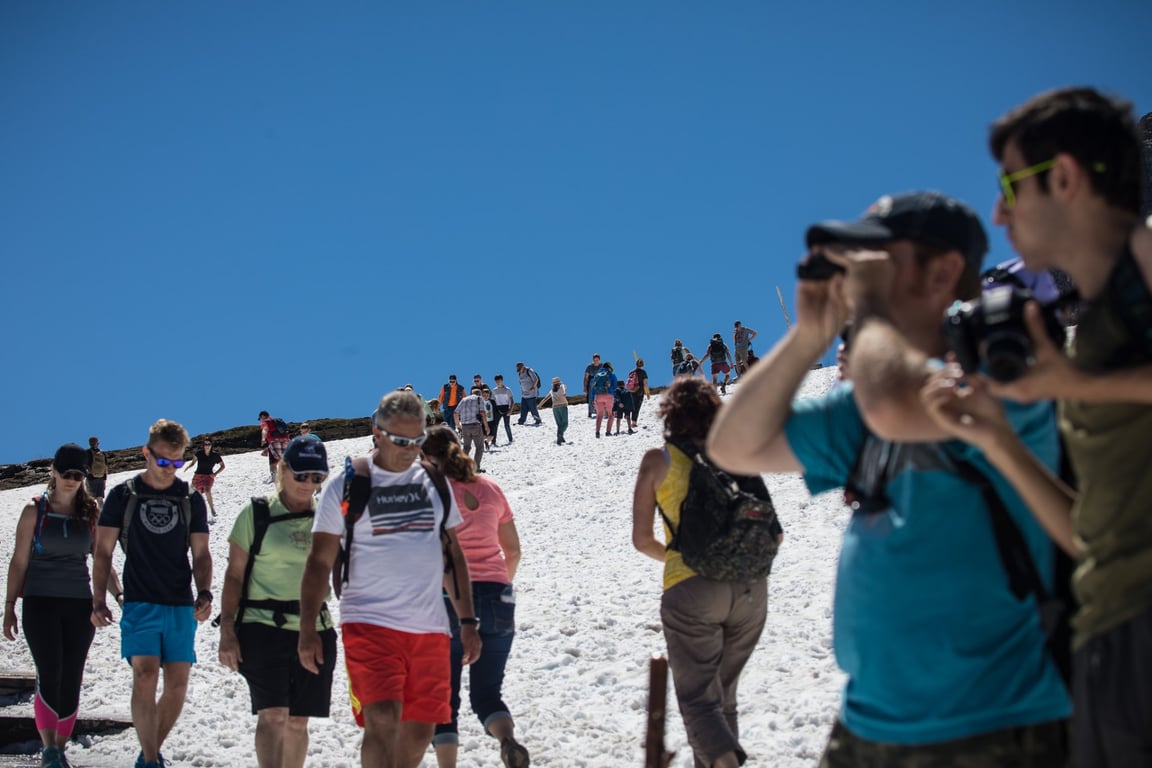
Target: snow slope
588 621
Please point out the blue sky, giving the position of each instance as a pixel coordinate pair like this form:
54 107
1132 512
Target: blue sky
209 209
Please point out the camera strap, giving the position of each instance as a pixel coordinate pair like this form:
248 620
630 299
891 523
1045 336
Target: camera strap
1023 576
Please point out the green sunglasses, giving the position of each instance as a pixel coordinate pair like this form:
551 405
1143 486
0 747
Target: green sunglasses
1008 180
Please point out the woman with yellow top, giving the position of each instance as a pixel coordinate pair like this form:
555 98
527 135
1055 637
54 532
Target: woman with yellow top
710 627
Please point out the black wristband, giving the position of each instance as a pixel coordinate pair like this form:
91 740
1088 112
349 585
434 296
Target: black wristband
205 594
470 621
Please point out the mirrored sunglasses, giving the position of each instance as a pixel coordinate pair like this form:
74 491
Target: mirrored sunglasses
163 462
400 441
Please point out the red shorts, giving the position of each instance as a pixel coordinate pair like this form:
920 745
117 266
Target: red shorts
387 665
203 482
720 367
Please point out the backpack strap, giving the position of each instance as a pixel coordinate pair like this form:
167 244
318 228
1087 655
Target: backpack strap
133 503
1130 295
441 484
41 503
357 489
1023 576
262 517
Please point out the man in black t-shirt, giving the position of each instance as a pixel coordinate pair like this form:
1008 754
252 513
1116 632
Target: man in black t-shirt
163 519
206 461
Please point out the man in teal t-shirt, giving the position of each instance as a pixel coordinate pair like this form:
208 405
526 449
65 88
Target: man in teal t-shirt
945 666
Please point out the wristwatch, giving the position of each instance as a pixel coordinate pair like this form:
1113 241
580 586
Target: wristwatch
470 621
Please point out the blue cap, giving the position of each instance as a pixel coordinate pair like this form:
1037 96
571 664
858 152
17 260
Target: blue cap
305 453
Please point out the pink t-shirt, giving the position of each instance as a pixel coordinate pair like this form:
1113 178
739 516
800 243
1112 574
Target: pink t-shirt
483 509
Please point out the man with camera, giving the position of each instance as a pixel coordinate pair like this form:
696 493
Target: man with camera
1070 200
945 666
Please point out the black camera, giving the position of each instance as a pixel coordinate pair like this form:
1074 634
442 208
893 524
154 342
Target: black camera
817 266
990 332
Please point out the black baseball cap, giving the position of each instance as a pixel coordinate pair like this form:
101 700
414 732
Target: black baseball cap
926 217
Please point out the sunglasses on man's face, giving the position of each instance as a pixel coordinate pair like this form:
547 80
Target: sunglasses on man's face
163 462
400 441
310 477
72 474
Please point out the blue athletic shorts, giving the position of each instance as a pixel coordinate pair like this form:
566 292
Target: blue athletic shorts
166 631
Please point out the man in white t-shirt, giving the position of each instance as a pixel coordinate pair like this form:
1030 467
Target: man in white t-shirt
393 622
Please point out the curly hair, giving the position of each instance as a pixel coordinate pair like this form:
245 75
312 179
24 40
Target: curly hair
688 408
443 447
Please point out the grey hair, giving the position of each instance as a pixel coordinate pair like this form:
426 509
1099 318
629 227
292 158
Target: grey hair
403 404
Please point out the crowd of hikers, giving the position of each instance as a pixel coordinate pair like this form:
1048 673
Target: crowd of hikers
982 451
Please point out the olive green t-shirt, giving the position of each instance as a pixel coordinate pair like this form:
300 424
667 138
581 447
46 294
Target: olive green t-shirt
1110 447
280 563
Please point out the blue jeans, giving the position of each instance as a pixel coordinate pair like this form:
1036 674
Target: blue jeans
528 406
486 675
449 412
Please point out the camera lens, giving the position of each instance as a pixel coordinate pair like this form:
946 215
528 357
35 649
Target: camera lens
1007 354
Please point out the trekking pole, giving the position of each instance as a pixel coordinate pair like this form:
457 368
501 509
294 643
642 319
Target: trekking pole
784 309
654 754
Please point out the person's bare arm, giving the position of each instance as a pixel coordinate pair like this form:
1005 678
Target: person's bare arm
458 587
653 469
202 575
106 538
229 650
748 434
313 589
18 567
509 539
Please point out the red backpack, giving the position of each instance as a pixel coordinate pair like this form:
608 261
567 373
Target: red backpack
632 384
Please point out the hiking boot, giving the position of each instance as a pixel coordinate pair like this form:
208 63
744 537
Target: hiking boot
631 431
51 757
597 433
513 754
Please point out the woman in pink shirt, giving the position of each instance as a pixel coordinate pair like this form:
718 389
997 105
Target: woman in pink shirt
491 545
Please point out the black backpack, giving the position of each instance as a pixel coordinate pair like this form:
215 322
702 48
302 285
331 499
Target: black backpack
728 526
677 355
357 489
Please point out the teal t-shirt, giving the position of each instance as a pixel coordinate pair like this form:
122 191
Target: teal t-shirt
934 644
279 564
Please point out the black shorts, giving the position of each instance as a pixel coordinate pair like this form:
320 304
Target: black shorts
96 485
275 678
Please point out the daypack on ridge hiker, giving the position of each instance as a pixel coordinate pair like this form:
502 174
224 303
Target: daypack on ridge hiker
677 355
357 489
728 529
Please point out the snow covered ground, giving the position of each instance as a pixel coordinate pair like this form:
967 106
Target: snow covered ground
588 621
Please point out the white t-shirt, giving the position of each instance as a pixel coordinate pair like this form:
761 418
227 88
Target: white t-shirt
397 563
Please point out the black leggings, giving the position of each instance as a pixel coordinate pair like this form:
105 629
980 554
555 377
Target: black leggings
59 631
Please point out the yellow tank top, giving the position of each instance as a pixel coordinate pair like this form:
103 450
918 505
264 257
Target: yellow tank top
669 495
